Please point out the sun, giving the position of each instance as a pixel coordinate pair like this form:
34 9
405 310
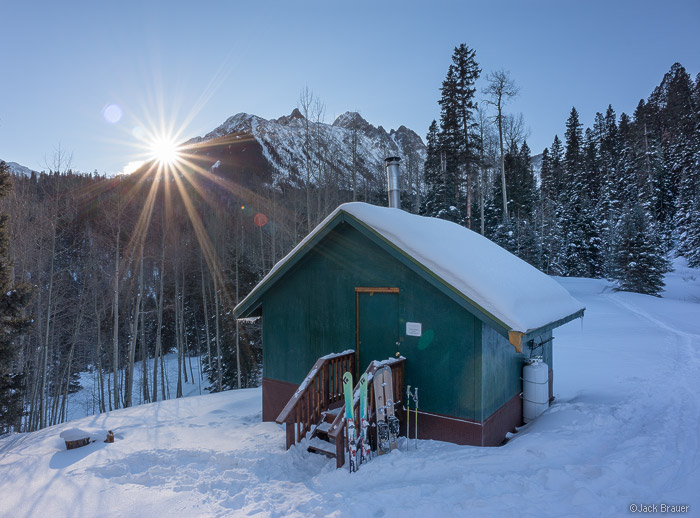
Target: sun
165 151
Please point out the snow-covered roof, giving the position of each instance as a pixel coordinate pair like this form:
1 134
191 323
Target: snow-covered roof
504 286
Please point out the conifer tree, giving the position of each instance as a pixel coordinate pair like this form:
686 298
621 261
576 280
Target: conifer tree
551 190
693 238
558 177
677 117
656 183
449 138
517 233
466 71
639 263
580 251
436 201
456 144
573 156
14 298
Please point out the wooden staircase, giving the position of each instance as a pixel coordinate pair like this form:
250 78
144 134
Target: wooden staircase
316 411
321 440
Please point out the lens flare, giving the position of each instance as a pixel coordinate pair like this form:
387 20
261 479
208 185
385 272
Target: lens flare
165 151
112 113
260 219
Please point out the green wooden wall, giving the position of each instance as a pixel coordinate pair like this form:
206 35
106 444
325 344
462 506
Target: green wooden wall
310 312
502 368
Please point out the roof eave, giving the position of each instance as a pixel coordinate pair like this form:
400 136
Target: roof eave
518 338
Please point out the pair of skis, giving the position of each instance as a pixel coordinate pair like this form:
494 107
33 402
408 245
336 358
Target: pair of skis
358 443
387 422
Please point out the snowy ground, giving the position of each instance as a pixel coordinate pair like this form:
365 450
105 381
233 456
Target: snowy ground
85 401
624 430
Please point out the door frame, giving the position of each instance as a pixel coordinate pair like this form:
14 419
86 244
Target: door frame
371 291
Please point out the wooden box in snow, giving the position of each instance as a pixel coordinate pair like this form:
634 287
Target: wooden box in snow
75 438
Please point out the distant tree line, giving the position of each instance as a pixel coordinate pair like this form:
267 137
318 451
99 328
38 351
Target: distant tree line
613 201
119 270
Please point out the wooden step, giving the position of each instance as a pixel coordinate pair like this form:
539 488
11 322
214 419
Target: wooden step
317 445
321 430
330 415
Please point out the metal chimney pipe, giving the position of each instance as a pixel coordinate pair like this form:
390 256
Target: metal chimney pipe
392 181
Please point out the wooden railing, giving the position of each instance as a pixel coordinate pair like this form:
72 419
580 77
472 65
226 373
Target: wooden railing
322 387
338 426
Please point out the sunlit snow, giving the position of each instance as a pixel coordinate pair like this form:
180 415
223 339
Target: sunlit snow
624 429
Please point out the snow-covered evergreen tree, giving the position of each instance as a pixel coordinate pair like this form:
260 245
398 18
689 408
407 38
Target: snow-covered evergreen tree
676 115
466 71
439 198
551 190
580 250
519 233
639 263
455 142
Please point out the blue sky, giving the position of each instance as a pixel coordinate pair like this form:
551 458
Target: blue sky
194 64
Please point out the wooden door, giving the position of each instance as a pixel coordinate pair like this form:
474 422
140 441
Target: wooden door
377 314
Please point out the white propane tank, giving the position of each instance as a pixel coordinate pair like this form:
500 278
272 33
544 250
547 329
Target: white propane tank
535 388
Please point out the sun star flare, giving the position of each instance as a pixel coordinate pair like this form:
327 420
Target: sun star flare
165 151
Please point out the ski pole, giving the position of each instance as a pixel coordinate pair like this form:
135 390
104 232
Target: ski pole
415 398
408 415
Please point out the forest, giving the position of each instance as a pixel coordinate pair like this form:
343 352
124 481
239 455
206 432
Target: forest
98 273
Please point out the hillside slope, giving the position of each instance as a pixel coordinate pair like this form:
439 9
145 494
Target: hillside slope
624 430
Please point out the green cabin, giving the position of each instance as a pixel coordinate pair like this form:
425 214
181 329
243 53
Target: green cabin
464 313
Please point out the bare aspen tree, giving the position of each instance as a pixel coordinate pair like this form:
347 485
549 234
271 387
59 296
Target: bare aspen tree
305 103
115 312
482 122
144 366
98 354
500 89
178 335
159 310
134 337
313 110
183 334
205 306
514 130
44 368
219 378
238 341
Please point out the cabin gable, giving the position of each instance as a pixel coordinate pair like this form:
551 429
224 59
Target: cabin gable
316 307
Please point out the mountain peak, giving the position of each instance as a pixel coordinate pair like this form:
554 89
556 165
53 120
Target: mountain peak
287 119
352 120
18 169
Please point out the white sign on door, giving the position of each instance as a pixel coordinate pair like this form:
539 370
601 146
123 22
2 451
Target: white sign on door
414 329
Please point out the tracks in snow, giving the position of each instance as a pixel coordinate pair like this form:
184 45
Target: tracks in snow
681 421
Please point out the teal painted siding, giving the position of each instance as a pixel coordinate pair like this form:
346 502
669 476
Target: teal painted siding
502 369
310 311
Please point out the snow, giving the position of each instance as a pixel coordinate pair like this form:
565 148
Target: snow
74 434
514 292
18 169
84 402
624 430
